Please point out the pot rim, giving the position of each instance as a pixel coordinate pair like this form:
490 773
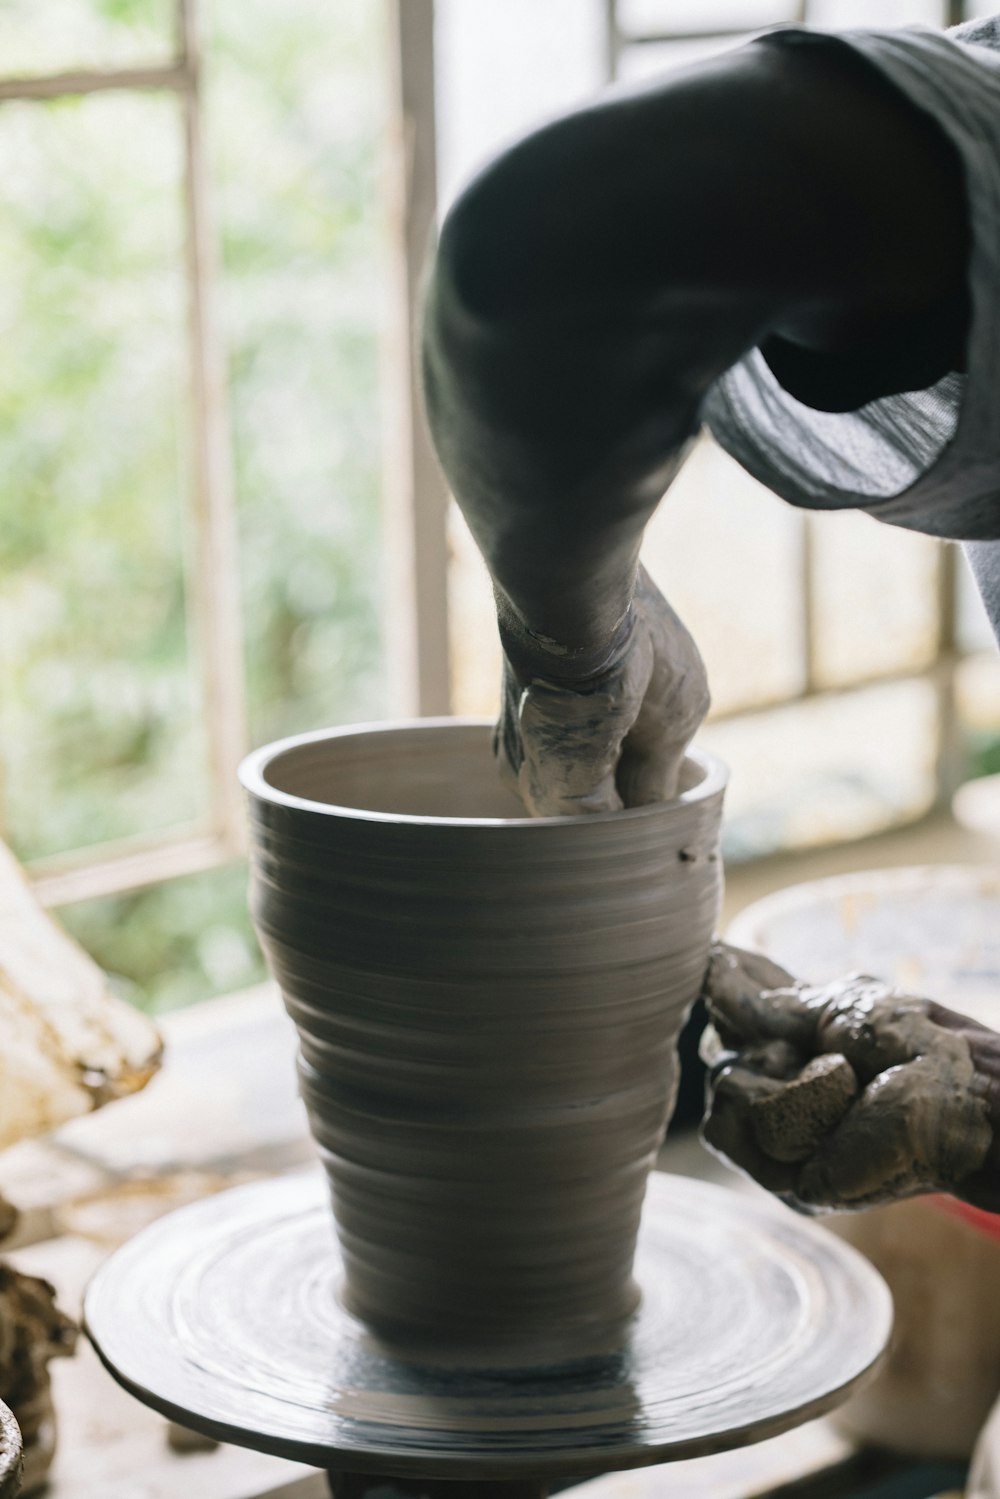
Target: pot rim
253 777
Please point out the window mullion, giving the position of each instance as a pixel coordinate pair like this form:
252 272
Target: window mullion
216 603
415 496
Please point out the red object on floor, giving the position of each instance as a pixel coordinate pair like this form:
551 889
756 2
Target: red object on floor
987 1223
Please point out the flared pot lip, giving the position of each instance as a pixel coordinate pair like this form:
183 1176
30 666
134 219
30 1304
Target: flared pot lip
253 777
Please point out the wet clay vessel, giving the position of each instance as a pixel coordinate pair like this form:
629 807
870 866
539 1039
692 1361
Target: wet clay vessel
488 1008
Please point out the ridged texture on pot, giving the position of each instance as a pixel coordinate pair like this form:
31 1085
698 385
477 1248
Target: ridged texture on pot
488 1015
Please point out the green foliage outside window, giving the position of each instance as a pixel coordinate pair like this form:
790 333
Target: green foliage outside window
101 716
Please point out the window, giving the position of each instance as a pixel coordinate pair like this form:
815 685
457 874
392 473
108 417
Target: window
191 434
220 520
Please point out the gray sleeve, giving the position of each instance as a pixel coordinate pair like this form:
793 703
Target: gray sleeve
927 460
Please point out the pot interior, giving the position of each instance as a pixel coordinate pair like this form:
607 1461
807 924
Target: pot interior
439 770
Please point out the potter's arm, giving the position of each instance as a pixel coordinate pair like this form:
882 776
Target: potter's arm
849 1094
589 287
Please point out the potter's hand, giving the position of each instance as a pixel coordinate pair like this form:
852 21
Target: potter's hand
847 1094
614 738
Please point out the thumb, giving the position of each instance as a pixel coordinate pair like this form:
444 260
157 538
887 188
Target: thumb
753 1000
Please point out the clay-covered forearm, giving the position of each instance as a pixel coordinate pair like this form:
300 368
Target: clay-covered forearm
537 422
593 282
580 304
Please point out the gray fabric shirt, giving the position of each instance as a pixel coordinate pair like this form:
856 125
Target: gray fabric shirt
928 460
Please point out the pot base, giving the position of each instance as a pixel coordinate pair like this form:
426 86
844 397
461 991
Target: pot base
225 1316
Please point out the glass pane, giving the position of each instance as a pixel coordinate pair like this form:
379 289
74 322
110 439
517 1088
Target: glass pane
475 646
175 943
828 770
99 710
656 58
56 36
727 554
296 115
890 13
977 706
652 16
503 66
745 17
746 592
875 598
646 16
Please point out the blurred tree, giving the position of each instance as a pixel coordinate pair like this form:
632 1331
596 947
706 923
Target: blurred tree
101 730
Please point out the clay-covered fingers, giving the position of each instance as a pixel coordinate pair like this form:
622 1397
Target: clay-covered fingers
734 1090
770 1059
558 746
869 1158
952 1020
903 1108
767 1113
616 739
556 749
735 972
569 746
753 1000
874 1025
650 762
674 700
918 1127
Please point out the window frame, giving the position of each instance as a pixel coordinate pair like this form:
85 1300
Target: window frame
414 496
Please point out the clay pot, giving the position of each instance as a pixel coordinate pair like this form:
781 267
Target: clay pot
488 1008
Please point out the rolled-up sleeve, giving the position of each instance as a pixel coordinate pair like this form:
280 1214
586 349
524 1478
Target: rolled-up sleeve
927 460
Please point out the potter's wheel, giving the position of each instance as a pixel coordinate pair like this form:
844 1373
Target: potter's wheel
224 1316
